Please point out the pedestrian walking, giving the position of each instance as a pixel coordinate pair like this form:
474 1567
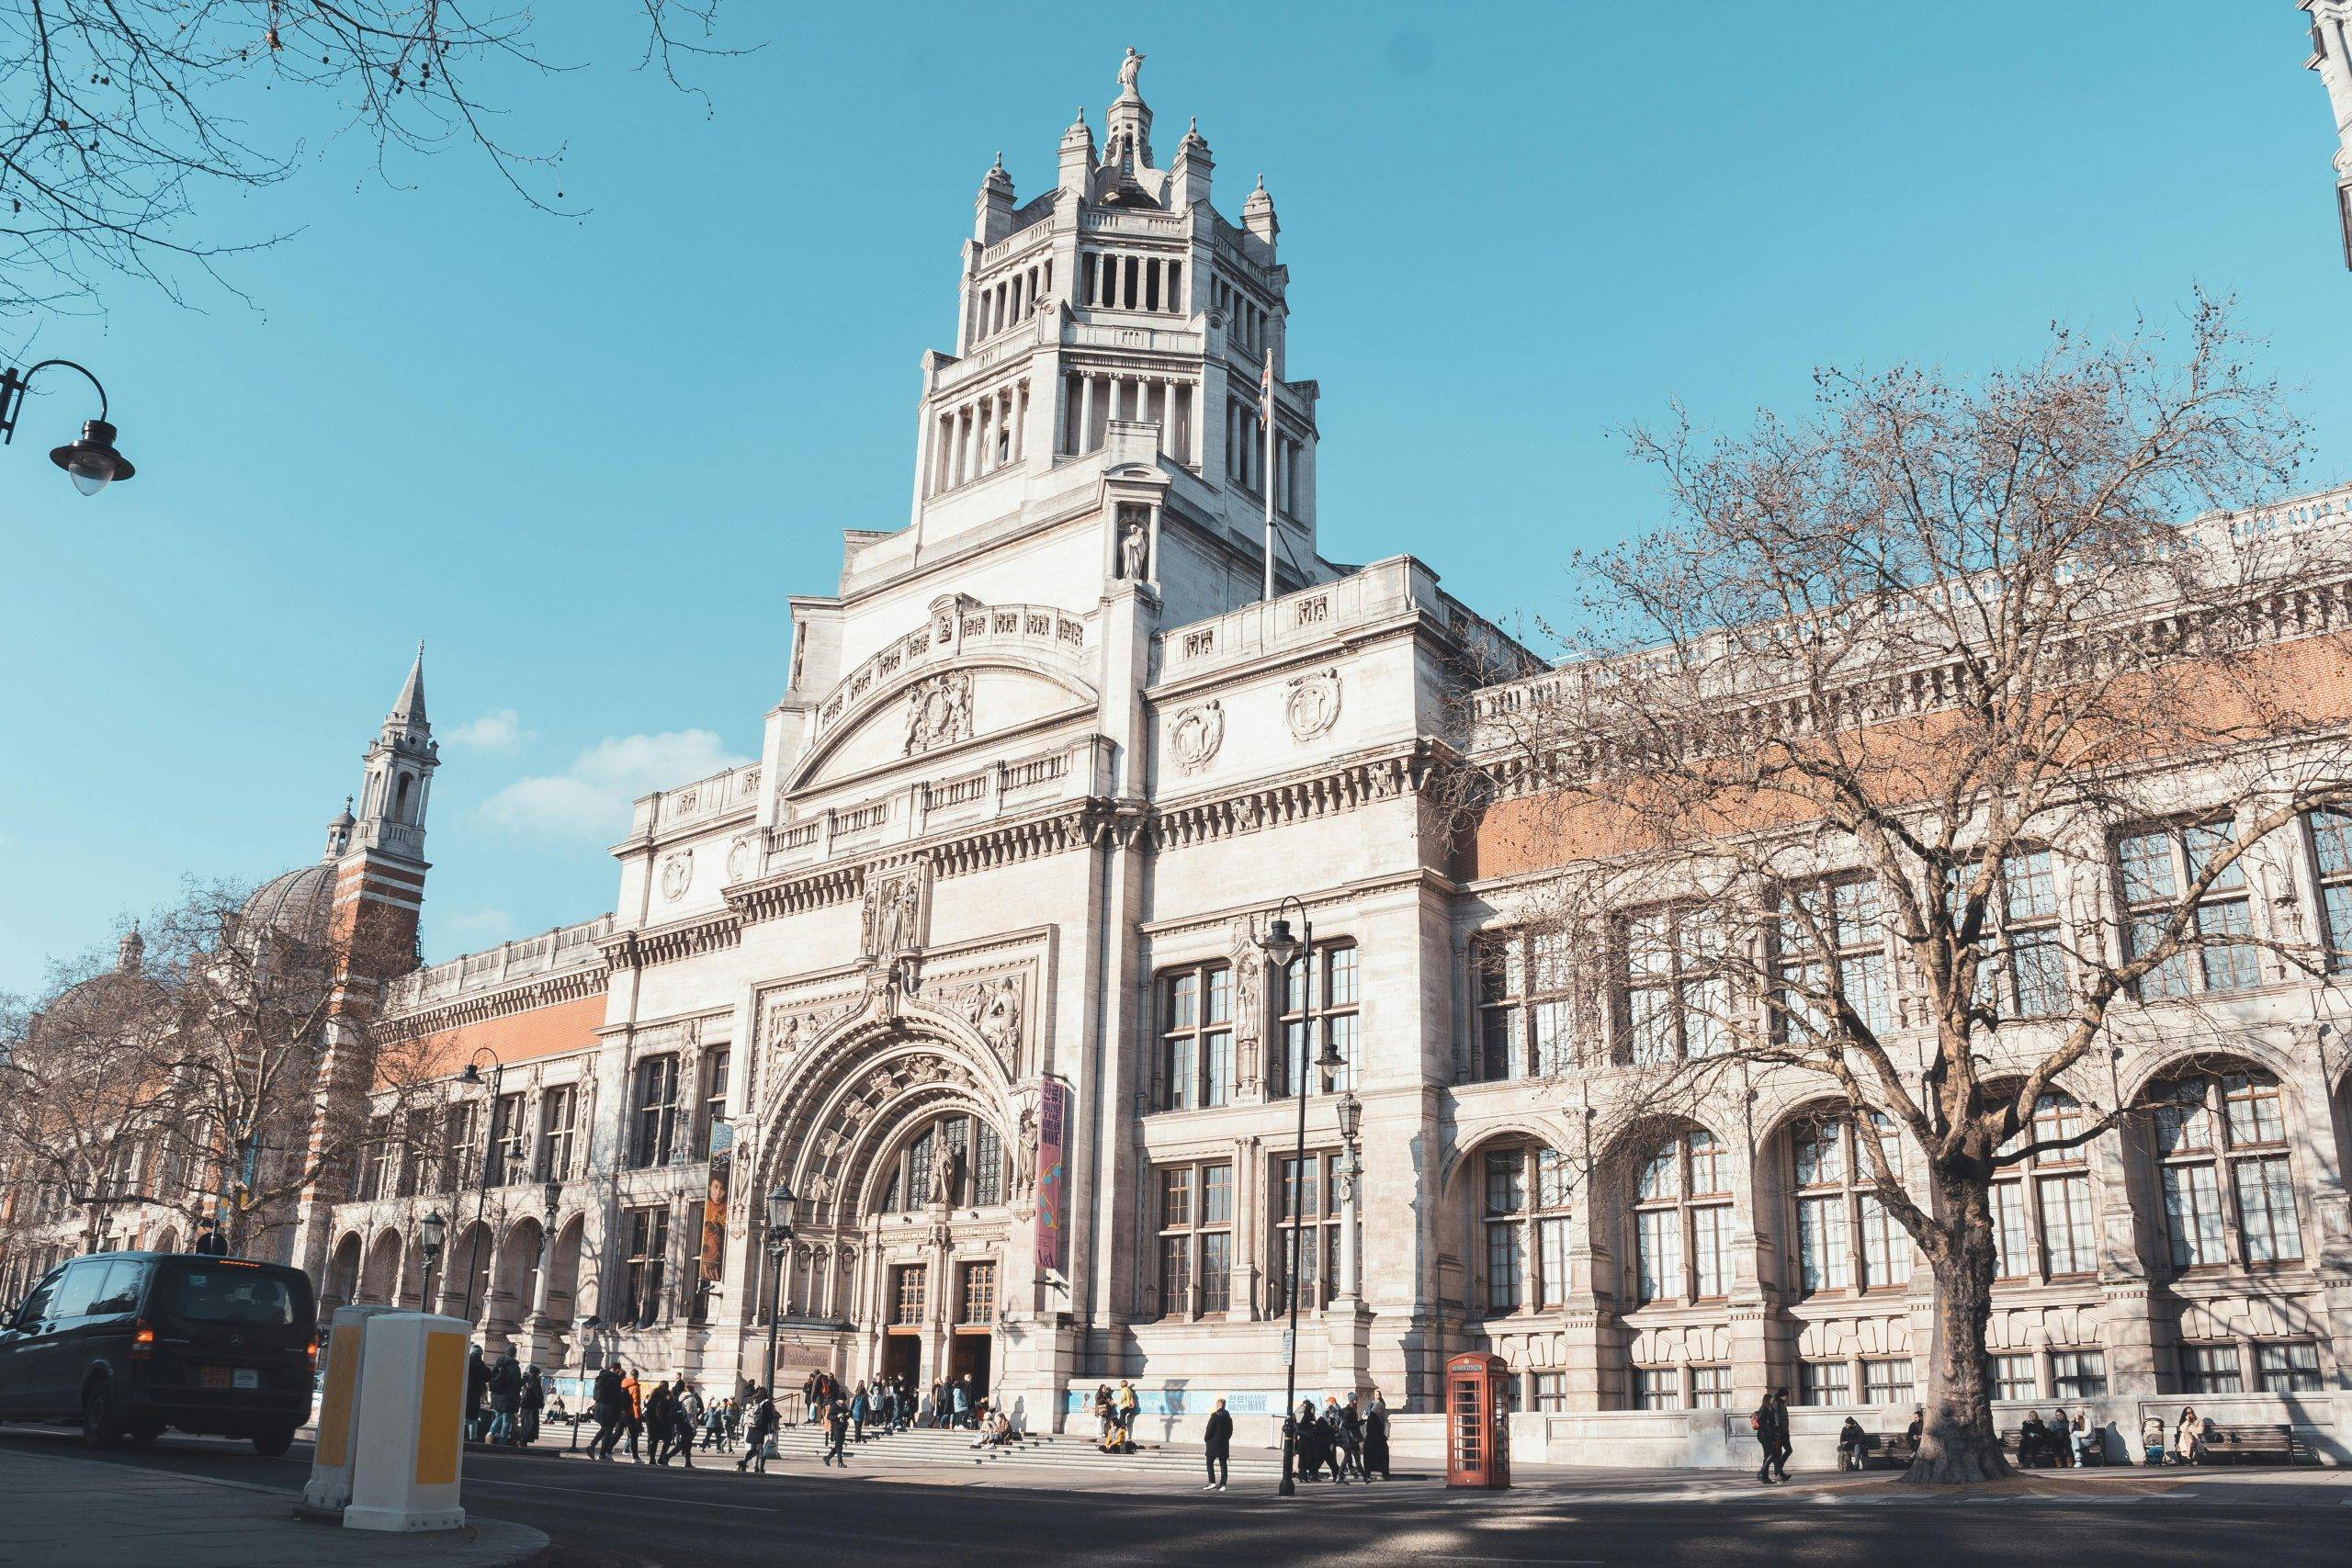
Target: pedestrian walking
963 1397
1770 1423
660 1404
505 1398
761 1428
859 1407
534 1400
1376 1438
608 1398
837 1433
633 1414
1218 1438
477 1392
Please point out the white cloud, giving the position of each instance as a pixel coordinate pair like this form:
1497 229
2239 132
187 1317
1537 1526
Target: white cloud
590 799
477 928
500 730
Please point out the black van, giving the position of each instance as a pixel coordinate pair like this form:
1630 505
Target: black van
128 1343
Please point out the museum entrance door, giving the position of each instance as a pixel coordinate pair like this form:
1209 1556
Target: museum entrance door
967 1353
902 1359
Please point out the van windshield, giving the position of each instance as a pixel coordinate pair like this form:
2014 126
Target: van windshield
247 1297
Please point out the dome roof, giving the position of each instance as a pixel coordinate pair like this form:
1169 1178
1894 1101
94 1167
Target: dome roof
296 903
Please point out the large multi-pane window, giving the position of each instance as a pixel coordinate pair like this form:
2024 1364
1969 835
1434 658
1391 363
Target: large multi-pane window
380 1162
2077 1374
2045 1224
1195 1239
510 1138
1328 985
1831 943
2289 1368
460 1144
1825 1383
1711 1388
2228 1186
712 1110
906 1293
656 1101
1523 1222
2158 866
1683 1220
2210 1369
1672 997
2332 862
2016 1376
1307 1206
2029 931
976 1152
647 1231
1522 981
559 1117
977 1300
1657 1388
1196 1037
1845 1238
416 1153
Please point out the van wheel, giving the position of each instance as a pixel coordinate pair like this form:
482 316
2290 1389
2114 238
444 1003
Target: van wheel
272 1442
101 1428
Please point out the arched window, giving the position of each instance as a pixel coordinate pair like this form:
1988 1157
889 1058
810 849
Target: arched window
1839 1217
2220 1148
2045 1223
1683 1220
399 801
1522 1219
974 1146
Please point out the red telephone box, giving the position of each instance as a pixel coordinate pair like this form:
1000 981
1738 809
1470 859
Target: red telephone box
1478 1421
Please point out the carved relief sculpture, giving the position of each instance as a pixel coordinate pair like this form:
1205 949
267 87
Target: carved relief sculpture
1313 704
939 711
1199 730
1000 1022
677 873
742 857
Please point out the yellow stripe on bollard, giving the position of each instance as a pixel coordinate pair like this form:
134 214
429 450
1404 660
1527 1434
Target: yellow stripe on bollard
335 1405
444 1390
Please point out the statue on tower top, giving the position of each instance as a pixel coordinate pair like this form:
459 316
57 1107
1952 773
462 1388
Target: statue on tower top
1129 69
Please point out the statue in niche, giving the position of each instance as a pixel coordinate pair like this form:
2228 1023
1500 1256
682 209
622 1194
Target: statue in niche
945 1170
1025 1152
1000 1022
1135 551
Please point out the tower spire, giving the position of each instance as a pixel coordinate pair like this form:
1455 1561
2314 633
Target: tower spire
408 711
399 766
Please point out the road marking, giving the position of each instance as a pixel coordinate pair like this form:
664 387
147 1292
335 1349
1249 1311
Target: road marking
603 1492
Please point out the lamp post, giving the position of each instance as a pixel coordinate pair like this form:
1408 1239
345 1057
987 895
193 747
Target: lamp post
1280 947
781 1203
429 1232
92 462
490 1150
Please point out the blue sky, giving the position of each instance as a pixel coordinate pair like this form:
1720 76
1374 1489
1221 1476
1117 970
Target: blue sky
587 458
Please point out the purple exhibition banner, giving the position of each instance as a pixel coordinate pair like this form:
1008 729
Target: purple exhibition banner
1053 1177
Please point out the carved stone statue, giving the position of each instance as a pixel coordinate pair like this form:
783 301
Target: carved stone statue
1129 69
1134 548
1001 1020
944 1172
1025 1152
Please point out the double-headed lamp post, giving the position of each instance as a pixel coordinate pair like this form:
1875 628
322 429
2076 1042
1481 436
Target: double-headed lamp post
92 463
1280 948
430 1230
781 1202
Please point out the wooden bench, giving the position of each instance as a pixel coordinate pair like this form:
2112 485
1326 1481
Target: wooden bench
1891 1450
2042 1459
2254 1444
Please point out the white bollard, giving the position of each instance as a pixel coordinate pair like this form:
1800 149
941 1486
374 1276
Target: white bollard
332 1456
410 1435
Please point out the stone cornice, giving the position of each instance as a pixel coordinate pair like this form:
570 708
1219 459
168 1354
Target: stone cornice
1350 782
686 939
547 990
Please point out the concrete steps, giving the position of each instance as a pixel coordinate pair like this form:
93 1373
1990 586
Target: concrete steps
1073 1453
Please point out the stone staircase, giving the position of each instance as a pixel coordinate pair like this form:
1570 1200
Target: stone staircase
1070 1452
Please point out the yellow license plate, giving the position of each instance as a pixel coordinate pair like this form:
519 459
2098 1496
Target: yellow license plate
213 1377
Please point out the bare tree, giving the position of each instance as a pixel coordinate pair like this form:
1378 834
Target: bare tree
123 116
1932 749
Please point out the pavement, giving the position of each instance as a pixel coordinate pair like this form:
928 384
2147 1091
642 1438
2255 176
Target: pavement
905 1508
64 1507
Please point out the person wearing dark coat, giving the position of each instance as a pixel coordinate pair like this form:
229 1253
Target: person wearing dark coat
837 1432
477 1389
505 1398
1771 1424
609 1400
1313 1441
760 1428
1376 1438
1218 1438
534 1400
660 1405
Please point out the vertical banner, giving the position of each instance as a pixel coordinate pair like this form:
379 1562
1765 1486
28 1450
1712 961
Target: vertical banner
711 1245
1053 1177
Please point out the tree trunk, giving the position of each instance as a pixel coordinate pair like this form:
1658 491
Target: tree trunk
1960 1442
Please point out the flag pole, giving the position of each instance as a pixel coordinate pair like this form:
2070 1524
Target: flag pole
1266 409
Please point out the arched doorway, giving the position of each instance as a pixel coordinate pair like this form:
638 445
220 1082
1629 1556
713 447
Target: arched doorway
343 1274
515 1280
380 1277
896 1133
563 1272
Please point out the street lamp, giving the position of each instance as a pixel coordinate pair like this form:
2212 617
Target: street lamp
472 1075
429 1232
1280 948
92 462
781 1202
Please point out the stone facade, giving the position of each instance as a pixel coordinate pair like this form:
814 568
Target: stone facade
969 958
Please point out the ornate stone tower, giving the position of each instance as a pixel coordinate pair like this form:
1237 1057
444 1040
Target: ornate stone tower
2332 58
